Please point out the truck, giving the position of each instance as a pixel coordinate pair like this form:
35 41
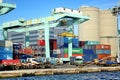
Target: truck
78 61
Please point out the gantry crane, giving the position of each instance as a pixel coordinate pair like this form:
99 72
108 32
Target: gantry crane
6 7
59 14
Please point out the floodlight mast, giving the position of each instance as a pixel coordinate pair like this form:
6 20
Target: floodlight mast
116 12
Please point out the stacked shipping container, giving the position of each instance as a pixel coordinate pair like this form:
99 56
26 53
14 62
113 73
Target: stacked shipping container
103 51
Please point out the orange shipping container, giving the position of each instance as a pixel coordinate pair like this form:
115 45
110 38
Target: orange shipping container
102 46
27 51
101 56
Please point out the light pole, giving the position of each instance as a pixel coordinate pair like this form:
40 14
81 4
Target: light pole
116 12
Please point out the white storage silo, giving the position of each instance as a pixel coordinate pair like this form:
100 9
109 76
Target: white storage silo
89 30
108 30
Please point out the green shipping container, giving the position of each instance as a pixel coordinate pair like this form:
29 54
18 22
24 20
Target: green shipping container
74 50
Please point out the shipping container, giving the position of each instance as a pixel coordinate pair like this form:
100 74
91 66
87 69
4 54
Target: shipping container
55 51
75 41
65 45
75 55
103 46
89 55
9 62
41 42
103 51
102 56
65 40
53 44
6 56
86 44
89 47
28 51
66 55
8 44
5 43
74 50
92 42
17 46
4 50
81 44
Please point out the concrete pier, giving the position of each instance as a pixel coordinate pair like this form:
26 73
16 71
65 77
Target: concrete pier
39 72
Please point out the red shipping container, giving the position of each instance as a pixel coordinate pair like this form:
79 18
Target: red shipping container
102 46
41 42
65 55
9 62
101 56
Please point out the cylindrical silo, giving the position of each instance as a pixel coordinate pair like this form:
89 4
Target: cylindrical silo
108 30
89 30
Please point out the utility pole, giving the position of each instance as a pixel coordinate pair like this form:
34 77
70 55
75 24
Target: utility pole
116 12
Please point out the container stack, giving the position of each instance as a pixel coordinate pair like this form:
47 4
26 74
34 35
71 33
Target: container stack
89 55
53 48
94 50
16 50
65 42
103 51
6 51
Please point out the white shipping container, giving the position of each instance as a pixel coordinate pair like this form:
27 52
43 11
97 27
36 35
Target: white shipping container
8 43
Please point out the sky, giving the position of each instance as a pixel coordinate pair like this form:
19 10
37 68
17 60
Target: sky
30 9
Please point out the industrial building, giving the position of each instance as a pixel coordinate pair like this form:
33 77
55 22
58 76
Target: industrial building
102 27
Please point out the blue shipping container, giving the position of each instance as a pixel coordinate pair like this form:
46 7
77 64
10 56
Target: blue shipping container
89 55
24 56
75 41
5 50
65 40
103 51
6 56
17 46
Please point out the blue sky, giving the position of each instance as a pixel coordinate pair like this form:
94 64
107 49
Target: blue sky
30 9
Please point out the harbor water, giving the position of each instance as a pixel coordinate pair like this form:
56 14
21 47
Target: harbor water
83 76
